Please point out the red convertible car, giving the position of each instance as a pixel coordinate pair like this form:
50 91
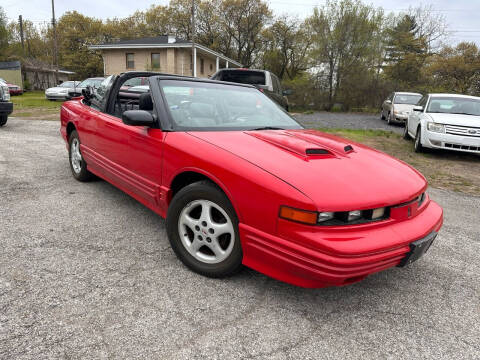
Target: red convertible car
239 181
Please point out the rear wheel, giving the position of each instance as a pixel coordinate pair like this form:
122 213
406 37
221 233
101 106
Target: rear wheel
3 120
382 116
77 164
406 135
203 230
418 142
389 118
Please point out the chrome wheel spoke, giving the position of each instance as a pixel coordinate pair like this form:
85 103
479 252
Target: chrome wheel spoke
195 246
189 221
217 250
221 229
206 216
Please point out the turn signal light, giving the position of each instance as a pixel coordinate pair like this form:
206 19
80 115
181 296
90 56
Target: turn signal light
303 216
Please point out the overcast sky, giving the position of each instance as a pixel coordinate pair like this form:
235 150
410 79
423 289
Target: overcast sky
462 15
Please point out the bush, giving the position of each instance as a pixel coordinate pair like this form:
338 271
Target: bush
26 85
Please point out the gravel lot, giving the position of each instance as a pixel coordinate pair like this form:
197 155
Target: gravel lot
87 272
346 121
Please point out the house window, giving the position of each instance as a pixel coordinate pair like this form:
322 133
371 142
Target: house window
202 66
211 66
130 61
155 61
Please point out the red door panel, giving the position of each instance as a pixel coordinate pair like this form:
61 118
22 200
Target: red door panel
131 157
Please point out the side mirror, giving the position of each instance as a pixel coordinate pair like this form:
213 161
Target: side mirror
87 95
287 92
388 101
138 118
418 108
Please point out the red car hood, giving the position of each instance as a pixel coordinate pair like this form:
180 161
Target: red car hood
329 170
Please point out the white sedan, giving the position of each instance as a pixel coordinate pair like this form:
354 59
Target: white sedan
60 92
445 121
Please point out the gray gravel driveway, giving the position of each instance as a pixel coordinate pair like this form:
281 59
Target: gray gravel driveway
346 121
87 272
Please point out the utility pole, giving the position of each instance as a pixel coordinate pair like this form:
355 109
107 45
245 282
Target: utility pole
55 50
194 62
20 22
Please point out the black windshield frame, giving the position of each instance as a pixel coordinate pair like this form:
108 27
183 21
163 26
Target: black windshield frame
173 126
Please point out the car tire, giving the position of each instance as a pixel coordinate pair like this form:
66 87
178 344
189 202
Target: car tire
77 164
389 118
202 228
418 142
406 135
382 116
3 120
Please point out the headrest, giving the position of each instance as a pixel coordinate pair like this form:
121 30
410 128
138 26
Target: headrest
145 102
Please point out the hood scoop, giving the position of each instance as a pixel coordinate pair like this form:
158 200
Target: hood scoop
296 144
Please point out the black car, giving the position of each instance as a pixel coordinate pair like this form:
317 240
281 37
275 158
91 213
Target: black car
6 107
263 80
77 91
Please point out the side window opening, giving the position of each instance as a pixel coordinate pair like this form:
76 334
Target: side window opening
134 94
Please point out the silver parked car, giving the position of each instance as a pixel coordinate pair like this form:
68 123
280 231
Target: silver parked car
397 107
60 92
77 90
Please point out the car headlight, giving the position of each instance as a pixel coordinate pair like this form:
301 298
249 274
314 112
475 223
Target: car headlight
434 127
333 218
324 216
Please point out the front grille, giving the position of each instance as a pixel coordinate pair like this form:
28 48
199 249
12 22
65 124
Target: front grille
462 147
462 130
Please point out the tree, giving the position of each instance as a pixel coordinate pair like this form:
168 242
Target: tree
456 69
243 22
406 54
3 34
76 33
286 45
345 38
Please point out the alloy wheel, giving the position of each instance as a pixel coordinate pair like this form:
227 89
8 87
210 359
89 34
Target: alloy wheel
206 231
76 156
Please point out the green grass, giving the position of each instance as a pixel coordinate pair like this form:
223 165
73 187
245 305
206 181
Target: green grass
34 100
361 135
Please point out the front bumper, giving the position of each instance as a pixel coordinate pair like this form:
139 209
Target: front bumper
6 107
435 140
15 91
322 257
401 118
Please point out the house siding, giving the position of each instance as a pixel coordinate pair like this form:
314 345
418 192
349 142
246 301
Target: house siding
172 61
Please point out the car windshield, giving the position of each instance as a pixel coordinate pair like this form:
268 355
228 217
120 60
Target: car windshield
90 82
244 77
67 84
454 105
410 99
211 106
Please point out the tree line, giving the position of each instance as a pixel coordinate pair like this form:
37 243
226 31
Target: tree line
346 55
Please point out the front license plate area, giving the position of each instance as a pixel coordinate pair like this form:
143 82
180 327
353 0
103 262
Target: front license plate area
417 249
